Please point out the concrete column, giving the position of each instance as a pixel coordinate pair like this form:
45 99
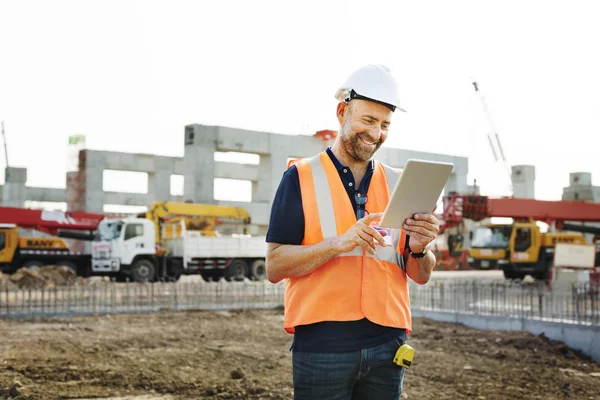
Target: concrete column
255 191
159 181
199 163
523 181
580 187
72 192
93 191
271 169
14 191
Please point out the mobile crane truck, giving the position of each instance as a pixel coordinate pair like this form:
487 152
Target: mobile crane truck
173 239
520 248
41 246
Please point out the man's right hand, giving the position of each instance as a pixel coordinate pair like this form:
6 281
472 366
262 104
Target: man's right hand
362 234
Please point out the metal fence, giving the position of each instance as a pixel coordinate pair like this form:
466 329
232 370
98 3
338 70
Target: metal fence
574 304
111 297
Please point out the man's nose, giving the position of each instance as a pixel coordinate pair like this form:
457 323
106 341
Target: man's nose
375 133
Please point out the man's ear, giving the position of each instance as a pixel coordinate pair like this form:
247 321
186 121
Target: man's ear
341 110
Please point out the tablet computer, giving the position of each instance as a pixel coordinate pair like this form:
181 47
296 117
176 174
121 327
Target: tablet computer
420 185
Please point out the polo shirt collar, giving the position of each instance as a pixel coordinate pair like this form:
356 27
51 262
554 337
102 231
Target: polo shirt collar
339 166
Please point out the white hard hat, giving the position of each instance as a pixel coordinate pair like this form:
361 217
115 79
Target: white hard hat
374 83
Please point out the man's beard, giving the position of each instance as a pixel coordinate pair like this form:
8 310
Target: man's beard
354 147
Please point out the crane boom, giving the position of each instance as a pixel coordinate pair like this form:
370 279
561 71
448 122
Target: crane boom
50 221
5 145
494 138
477 208
159 211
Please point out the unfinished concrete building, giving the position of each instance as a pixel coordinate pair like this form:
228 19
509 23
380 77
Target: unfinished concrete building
84 189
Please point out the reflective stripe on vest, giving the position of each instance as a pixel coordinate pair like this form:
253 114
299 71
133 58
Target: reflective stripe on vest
354 284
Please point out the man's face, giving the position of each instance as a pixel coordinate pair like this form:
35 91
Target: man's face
364 128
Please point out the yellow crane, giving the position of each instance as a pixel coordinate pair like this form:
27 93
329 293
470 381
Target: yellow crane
200 217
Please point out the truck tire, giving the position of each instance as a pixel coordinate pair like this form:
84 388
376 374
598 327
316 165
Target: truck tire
143 271
509 273
69 264
33 264
258 270
236 271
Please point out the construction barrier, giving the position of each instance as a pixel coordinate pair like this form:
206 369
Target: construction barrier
576 304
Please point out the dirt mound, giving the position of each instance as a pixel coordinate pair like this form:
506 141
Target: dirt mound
47 276
5 282
12 393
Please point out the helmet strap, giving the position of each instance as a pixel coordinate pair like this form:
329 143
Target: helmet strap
353 95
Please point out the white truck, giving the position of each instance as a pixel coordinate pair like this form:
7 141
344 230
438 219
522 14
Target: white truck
127 250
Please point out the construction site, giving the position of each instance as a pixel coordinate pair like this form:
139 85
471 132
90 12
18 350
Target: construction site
172 301
164 294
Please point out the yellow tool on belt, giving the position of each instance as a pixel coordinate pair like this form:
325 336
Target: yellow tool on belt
404 356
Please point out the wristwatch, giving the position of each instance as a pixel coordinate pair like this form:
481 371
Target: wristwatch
417 255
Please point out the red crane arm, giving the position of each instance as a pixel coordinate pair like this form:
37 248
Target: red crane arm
476 208
50 221
545 211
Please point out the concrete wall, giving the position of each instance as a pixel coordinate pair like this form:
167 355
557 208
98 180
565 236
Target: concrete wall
580 337
14 192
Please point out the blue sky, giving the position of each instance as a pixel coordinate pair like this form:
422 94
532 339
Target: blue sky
130 75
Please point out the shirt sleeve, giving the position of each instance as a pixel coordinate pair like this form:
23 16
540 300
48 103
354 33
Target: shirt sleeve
286 223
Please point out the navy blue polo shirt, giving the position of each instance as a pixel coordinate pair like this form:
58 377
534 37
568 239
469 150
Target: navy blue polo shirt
286 226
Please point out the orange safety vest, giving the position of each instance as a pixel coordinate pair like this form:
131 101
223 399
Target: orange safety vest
355 284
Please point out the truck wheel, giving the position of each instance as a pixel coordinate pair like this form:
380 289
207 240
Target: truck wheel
33 264
69 265
143 271
509 273
236 271
258 270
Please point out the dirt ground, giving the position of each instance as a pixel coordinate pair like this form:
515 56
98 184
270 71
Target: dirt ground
244 355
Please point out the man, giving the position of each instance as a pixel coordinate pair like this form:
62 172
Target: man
346 298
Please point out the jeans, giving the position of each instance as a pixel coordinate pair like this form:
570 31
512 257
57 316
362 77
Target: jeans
357 375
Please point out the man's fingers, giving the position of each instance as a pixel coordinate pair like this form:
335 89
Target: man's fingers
376 234
424 224
420 230
372 218
416 237
382 232
367 238
365 244
426 217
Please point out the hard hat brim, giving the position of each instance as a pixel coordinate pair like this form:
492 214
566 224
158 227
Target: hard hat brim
345 95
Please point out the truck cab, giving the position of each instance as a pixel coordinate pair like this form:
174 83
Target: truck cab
9 238
519 249
489 246
125 249
532 252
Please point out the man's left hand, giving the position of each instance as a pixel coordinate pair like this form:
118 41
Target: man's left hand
423 229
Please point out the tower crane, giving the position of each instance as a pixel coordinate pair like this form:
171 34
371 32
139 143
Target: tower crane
5 145
493 137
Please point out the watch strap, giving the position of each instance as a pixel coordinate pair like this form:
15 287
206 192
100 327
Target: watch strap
412 253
